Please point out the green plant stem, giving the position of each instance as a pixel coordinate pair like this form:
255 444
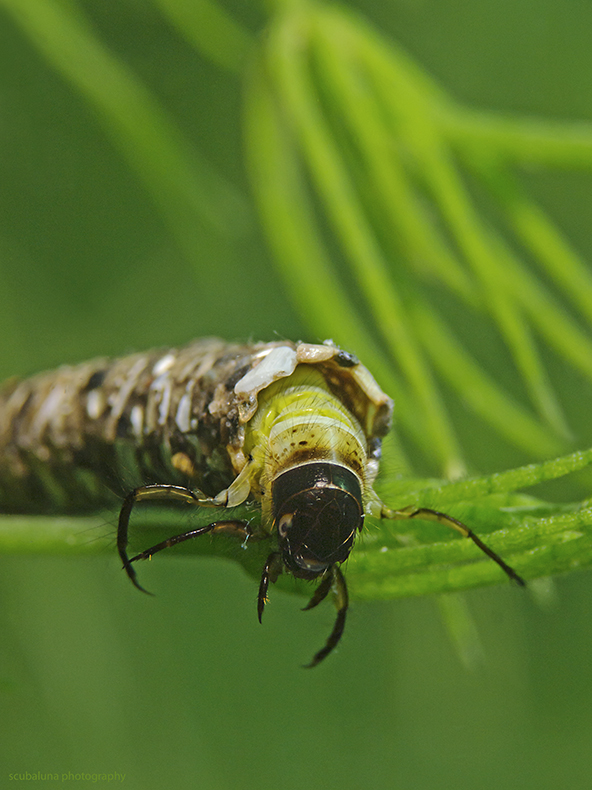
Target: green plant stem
357 238
525 141
400 558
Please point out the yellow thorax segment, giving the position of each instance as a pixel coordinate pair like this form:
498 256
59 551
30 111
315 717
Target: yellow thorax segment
299 420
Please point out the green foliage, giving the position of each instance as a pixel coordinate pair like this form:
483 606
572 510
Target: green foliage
393 560
391 210
335 105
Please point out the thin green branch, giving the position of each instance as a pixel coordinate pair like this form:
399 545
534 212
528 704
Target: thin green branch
185 187
415 123
212 31
524 141
287 64
421 243
510 480
301 255
553 322
394 560
534 228
478 390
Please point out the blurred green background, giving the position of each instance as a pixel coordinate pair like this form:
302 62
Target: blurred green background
186 688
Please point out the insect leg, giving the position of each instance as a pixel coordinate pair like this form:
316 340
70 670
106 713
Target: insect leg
239 528
158 492
448 521
320 593
340 597
271 570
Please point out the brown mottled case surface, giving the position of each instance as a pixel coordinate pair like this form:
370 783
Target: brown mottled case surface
78 438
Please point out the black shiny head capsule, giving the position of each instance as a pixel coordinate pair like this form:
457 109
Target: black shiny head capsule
317 509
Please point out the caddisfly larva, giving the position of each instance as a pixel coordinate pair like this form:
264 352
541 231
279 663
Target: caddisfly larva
294 428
